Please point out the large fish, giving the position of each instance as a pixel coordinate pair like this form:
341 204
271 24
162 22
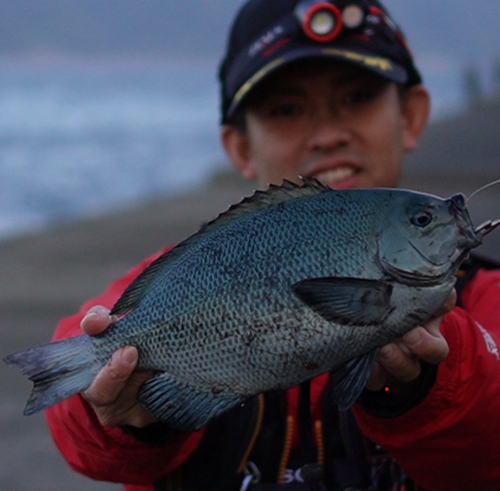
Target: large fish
291 283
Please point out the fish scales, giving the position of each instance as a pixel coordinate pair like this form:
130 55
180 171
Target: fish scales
297 248
286 285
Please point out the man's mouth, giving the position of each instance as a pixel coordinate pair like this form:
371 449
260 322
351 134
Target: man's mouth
334 176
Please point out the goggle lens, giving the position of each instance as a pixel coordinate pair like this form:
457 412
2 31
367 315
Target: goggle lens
353 16
321 20
322 23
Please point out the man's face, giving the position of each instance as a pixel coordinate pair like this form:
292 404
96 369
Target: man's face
335 122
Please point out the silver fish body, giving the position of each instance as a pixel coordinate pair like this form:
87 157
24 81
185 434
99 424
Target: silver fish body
289 284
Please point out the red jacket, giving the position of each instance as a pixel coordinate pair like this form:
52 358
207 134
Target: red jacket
451 440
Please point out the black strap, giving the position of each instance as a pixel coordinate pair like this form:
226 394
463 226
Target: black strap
213 465
268 448
383 404
346 464
307 446
311 471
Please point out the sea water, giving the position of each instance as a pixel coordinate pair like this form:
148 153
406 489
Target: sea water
78 139
82 139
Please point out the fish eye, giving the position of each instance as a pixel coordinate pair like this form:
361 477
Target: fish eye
421 218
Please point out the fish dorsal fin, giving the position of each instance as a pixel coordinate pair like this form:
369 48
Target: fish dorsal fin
139 287
262 199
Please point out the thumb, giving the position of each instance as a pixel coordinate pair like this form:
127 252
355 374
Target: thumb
111 380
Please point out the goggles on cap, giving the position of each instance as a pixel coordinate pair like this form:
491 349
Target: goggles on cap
323 21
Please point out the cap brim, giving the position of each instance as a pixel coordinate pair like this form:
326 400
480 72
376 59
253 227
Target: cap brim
377 64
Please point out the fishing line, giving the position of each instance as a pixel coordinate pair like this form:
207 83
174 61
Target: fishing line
482 188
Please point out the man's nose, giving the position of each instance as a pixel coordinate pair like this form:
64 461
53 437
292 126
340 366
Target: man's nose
328 130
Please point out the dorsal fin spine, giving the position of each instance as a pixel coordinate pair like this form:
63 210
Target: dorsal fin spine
275 194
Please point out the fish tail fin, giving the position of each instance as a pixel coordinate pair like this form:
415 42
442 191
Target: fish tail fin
58 370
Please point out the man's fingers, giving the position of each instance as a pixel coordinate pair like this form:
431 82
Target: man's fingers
125 409
96 320
426 342
402 357
111 380
399 362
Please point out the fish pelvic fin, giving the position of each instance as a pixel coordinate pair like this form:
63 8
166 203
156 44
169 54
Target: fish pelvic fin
350 379
58 370
181 406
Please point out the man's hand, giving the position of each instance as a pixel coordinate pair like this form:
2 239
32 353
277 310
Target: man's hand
401 359
113 393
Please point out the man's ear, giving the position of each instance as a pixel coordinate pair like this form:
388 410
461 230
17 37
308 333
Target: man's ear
237 148
416 109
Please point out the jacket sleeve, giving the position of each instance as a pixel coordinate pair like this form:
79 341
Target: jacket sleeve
451 440
109 454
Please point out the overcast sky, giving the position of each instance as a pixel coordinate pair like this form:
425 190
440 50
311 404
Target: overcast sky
460 28
441 33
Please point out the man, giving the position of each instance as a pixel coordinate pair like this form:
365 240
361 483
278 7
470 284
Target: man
330 91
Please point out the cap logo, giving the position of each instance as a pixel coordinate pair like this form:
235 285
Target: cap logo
372 61
266 40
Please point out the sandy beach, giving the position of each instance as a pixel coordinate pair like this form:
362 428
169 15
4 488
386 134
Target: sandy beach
46 276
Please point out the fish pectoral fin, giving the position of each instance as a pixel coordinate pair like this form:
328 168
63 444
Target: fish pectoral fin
349 301
181 406
350 379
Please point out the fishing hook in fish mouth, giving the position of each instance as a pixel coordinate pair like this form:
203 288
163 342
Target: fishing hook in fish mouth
486 227
489 225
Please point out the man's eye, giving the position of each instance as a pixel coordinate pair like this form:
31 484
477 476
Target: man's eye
365 93
359 96
285 110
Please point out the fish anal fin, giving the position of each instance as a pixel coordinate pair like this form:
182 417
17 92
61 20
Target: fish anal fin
181 406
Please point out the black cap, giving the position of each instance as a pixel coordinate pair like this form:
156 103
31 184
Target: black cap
268 34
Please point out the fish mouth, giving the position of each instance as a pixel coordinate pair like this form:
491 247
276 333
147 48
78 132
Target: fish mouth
471 236
443 262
